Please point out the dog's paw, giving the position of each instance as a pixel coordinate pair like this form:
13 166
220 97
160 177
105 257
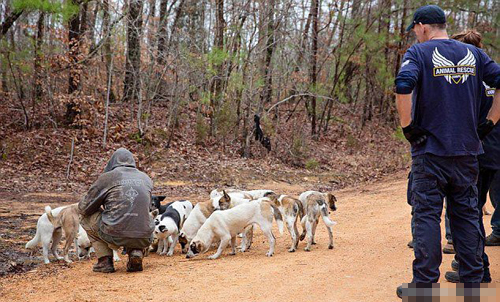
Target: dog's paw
269 254
68 261
60 258
291 250
170 254
232 253
213 257
307 249
117 259
314 243
330 247
46 261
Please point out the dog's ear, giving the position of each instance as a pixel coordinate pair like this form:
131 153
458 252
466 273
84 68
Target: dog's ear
226 196
161 197
155 213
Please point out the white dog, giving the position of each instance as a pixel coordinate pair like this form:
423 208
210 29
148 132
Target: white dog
316 204
198 216
168 225
46 233
252 194
225 225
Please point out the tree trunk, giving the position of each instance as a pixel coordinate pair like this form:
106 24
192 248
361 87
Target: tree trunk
314 62
107 48
162 32
10 19
37 90
270 42
217 83
74 37
133 61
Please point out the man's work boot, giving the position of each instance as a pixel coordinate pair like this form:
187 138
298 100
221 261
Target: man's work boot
410 244
454 265
492 240
104 265
453 277
449 249
134 263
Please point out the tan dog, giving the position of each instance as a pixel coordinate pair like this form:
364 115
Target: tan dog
292 210
316 204
69 222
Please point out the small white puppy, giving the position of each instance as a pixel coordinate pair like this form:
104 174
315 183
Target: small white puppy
225 225
168 225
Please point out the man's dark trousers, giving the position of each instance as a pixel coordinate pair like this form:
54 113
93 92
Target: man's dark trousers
432 179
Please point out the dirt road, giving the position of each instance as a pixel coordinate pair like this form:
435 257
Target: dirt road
369 260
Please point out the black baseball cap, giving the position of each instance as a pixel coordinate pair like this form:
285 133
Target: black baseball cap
428 14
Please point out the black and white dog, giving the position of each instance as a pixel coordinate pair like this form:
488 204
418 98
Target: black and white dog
156 204
169 224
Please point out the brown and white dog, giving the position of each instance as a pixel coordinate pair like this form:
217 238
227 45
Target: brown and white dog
292 210
198 216
225 225
316 204
69 222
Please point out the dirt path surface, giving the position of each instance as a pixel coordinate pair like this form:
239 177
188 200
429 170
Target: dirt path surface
369 260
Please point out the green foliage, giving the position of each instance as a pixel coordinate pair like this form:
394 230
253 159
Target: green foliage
225 119
64 8
312 164
398 134
299 147
201 129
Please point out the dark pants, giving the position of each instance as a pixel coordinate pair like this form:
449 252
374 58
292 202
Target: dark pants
432 179
495 200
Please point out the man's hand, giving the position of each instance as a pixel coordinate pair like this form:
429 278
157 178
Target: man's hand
484 128
415 134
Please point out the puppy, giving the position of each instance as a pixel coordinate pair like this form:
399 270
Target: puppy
292 210
198 216
236 199
49 229
316 204
156 204
169 224
225 225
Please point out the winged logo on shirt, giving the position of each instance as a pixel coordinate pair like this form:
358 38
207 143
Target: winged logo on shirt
458 73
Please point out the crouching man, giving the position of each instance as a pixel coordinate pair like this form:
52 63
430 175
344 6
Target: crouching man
115 213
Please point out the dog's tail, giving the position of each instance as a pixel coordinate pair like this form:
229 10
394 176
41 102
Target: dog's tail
300 209
48 211
324 214
278 217
35 241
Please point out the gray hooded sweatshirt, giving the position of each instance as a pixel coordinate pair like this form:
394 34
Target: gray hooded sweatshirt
125 195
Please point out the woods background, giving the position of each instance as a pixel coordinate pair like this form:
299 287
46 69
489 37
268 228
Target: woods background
179 82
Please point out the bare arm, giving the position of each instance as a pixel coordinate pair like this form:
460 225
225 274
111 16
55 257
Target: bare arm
494 114
403 105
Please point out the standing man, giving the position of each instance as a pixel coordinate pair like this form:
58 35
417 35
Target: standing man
115 212
494 238
438 103
489 162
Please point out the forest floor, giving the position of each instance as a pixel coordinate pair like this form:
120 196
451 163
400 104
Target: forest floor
369 261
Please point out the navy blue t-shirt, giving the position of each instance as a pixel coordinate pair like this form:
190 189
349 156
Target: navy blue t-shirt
446 77
491 143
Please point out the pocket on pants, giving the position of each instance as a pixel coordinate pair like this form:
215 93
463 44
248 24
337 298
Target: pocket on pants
420 191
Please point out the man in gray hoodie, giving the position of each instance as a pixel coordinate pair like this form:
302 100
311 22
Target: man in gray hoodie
115 212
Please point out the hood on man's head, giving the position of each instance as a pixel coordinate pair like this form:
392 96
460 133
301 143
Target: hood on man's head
121 158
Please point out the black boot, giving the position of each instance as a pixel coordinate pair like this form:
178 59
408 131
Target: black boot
453 277
104 265
454 265
134 263
492 240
